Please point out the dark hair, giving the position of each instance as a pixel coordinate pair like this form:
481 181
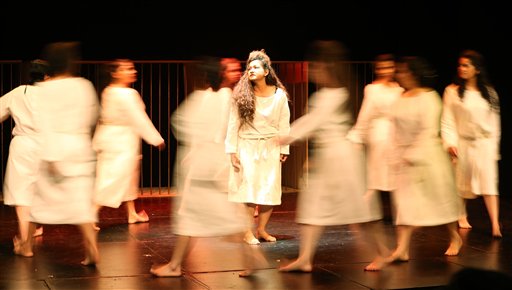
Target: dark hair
385 57
335 55
62 57
421 70
37 71
210 68
106 72
482 80
243 93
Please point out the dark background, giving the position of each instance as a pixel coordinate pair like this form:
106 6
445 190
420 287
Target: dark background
182 30
162 30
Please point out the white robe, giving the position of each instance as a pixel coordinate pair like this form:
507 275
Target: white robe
475 130
259 180
336 189
117 141
425 193
24 150
202 208
69 111
373 128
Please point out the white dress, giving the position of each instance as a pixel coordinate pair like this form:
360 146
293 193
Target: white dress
117 141
259 180
336 189
202 208
69 111
425 194
24 150
373 128
475 130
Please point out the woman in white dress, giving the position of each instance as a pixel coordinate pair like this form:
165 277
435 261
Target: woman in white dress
425 193
259 115
69 110
471 130
203 208
336 190
373 126
117 140
24 150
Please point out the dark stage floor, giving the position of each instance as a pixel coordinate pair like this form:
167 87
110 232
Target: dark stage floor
128 251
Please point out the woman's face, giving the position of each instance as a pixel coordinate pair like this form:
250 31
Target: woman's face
125 73
233 72
466 70
405 77
256 70
385 69
318 72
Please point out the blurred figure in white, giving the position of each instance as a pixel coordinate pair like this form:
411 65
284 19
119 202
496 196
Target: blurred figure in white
471 130
203 209
335 193
425 193
373 126
259 114
24 150
117 140
69 111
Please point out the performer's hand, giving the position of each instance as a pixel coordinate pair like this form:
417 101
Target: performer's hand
235 162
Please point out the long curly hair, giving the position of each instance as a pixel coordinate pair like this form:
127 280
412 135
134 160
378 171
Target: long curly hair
243 93
482 80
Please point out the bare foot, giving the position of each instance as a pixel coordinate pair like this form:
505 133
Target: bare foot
496 233
377 264
265 236
91 258
397 258
21 248
140 217
464 224
245 273
38 232
297 266
89 261
454 248
166 271
250 239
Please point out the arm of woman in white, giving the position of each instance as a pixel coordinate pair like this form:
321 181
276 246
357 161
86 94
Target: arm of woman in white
183 117
497 133
231 141
5 105
323 108
448 126
284 126
496 124
140 121
359 131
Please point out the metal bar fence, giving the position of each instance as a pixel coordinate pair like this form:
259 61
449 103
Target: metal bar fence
163 85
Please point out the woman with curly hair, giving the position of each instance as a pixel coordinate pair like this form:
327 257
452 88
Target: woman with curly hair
259 115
